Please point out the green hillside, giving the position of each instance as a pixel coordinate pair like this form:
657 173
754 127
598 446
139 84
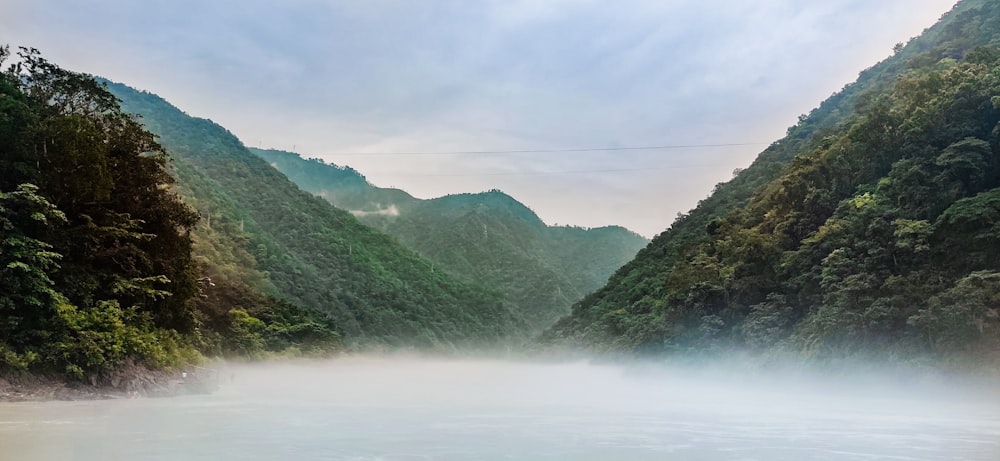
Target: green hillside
487 238
128 246
308 252
870 229
97 276
342 186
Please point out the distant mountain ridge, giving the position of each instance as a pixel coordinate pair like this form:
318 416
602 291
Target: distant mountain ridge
258 225
487 238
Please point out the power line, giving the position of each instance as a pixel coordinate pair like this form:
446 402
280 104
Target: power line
548 173
549 151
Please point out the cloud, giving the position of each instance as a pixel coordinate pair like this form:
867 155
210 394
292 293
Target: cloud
391 210
392 75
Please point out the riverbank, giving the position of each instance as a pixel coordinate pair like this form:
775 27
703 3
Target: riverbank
34 389
130 381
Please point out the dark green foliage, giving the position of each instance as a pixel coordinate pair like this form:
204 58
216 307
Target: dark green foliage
965 319
95 249
867 230
96 266
970 227
29 300
487 238
304 250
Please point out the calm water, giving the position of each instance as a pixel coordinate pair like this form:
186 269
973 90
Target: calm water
382 409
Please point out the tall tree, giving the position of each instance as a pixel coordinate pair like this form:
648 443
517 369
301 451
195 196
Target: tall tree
126 236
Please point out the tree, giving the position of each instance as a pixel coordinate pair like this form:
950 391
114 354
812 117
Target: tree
965 318
95 261
126 236
27 297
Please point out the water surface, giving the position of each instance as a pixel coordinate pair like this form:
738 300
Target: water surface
409 409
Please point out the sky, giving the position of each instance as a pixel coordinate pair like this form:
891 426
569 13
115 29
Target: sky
412 93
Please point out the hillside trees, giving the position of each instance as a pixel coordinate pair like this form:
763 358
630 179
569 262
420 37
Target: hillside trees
29 299
95 245
262 233
875 237
90 228
487 238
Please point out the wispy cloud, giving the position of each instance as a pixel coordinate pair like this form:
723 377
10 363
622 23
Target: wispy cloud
392 75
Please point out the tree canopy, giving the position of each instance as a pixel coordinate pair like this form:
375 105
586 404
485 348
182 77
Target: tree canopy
96 245
868 230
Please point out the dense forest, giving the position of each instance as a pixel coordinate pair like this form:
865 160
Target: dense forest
871 229
303 250
134 234
114 253
96 265
486 238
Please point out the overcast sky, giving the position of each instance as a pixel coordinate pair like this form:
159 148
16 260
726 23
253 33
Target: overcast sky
335 79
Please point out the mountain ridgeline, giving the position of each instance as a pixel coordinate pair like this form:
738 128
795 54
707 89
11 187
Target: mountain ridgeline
872 229
98 282
128 244
487 238
147 243
306 251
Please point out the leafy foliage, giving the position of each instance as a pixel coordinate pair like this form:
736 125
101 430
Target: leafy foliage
96 266
88 225
866 230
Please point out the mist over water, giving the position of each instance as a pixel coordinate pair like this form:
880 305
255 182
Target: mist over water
365 408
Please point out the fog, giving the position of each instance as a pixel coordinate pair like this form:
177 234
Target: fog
392 210
409 408
637 386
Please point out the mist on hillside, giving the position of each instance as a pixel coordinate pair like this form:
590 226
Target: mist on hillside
391 210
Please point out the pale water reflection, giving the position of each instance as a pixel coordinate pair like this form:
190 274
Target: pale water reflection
392 409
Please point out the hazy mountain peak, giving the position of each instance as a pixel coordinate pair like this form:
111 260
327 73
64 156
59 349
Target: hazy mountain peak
485 237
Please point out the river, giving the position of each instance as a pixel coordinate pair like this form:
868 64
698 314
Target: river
413 409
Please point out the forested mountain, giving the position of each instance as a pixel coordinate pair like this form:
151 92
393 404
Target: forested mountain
96 267
343 186
870 229
309 252
487 238
121 246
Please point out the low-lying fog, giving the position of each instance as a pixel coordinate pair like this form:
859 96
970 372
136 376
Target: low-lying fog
420 409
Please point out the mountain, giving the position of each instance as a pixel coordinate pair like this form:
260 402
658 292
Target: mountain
260 227
102 264
486 238
870 229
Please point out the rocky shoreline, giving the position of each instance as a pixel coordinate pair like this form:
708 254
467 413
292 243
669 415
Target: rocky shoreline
130 381
38 389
